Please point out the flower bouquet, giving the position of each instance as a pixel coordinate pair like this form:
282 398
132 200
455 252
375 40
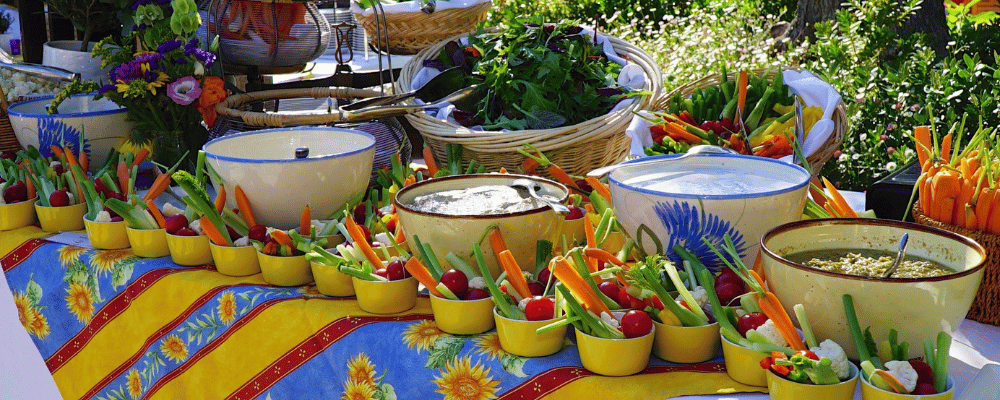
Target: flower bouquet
160 73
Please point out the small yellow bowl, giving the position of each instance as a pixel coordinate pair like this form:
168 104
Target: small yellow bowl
686 344
870 392
285 271
784 389
189 250
235 261
106 235
574 231
519 338
462 317
61 219
148 243
331 282
614 357
17 215
743 364
614 242
378 297
332 240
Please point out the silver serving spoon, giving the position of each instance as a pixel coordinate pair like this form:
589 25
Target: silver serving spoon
697 149
899 256
529 185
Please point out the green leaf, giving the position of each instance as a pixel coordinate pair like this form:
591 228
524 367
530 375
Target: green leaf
514 365
387 392
121 274
76 272
95 290
445 349
33 292
535 97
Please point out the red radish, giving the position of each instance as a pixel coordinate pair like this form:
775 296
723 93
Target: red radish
610 289
183 232
456 281
750 321
15 193
395 271
925 388
544 275
575 213
101 188
175 223
727 291
626 300
536 288
59 198
476 294
540 308
120 219
232 233
636 324
111 213
9 155
583 185
258 233
727 275
383 273
924 372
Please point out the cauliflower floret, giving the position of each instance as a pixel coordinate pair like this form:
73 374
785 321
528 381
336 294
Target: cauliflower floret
196 226
103 216
610 320
700 295
523 303
904 373
477 283
770 331
384 239
528 276
170 210
318 224
242 242
830 349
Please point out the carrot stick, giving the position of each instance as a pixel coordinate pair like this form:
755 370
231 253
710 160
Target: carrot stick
400 236
282 238
420 273
58 152
122 176
514 274
305 222
603 255
945 148
215 236
70 158
588 229
758 270
741 99
815 190
157 215
244 204
755 275
560 175
139 158
677 132
574 282
29 186
922 137
220 199
838 201
496 241
429 160
600 187
160 185
772 308
84 161
361 242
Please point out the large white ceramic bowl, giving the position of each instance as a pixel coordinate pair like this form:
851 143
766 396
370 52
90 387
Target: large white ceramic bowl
66 54
662 202
101 122
279 185
456 233
917 308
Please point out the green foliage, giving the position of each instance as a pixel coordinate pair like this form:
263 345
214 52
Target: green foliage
87 16
5 21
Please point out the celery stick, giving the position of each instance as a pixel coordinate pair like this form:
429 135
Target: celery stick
557 324
685 294
800 313
460 264
941 357
725 326
503 306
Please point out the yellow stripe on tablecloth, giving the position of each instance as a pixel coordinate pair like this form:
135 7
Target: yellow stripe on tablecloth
260 342
651 386
146 314
9 240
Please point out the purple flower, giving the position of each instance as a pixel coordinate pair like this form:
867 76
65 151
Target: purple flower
181 60
184 91
105 88
167 47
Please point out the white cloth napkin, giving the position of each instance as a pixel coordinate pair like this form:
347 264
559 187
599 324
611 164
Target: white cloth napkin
414 6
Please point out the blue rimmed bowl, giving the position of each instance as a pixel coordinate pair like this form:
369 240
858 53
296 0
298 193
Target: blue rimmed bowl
664 201
279 184
101 122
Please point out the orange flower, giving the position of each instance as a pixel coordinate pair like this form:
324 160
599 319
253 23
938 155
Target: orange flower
361 370
134 383
461 380
70 254
213 90
106 260
174 348
422 335
79 302
39 325
354 390
489 345
23 309
227 307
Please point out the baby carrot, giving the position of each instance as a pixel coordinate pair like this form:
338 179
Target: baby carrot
946 148
588 229
984 205
839 203
305 222
574 282
496 241
922 137
157 215
122 175
160 184
514 274
600 187
140 157
244 204
420 273
282 238
361 242
58 152
220 199
214 235
429 160
84 161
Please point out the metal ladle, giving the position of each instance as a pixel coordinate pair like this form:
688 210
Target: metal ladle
899 256
529 185
698 149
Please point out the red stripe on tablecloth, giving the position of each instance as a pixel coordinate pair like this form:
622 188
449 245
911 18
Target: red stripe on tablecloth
307 350
549 381
21 253
163 331
109 312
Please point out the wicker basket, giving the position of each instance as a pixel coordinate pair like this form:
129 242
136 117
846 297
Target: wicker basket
817 159
578 149
8 139
986 5
410 32
986 306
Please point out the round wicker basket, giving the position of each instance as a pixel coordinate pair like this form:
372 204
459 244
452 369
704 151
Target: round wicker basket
578 149
818 158
410 32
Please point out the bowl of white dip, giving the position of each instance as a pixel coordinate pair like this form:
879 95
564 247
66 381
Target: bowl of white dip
451 213
668 202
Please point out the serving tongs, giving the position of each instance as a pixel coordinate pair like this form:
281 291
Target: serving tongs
465 98
445 83
44 71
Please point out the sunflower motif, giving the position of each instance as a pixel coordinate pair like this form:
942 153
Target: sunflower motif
361 370
105 260
422 335
134 382
463 381
310 291
227 307
174 348
489 345
79 302
39 325
70 254
23 305
354 390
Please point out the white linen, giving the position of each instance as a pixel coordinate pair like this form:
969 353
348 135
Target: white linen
23 374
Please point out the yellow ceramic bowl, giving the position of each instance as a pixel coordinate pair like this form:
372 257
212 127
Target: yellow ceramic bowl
148 243
235 261
462 317
870 392
61 219
106 235
686 345
574 231
455 234
784 389
332 240
519 338
17 215
189 250
381 297
743 364
285 271
932 304
614 357
331 282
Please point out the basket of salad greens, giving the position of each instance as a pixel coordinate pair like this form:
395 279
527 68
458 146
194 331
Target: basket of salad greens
403 27
562 88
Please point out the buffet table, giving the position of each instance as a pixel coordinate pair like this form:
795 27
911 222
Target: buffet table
108 324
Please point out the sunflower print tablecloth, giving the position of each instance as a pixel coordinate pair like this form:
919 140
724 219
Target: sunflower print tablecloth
111 325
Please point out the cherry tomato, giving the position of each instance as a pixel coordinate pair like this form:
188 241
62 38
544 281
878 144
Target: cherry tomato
750 321
540 309
455 281
396 271
636 324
